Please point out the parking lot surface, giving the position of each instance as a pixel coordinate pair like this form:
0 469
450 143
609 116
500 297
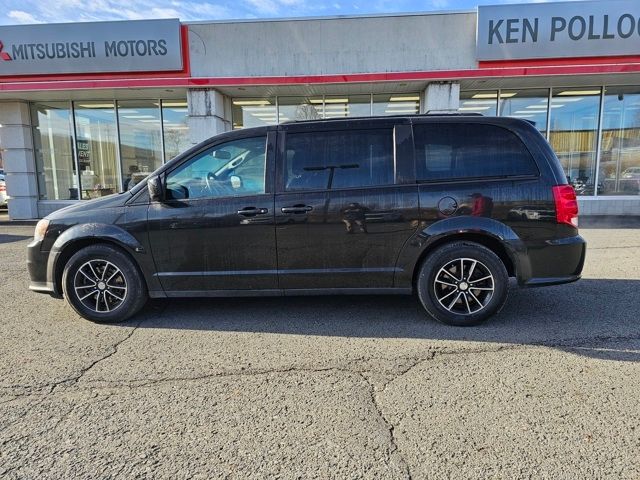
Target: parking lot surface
326 387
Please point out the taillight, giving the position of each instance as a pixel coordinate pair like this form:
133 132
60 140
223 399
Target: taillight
566 204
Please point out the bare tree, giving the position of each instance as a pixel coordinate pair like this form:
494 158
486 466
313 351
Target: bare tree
306 112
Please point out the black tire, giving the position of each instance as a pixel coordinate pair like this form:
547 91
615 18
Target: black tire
456 302
117 299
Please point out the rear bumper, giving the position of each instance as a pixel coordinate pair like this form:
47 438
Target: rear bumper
554 262
547 282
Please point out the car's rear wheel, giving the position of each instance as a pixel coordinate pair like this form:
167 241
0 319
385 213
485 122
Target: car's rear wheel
462 284
103 284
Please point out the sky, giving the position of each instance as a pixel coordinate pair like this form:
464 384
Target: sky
14 12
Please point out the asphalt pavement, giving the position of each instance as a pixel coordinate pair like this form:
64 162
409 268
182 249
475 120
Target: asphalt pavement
326 387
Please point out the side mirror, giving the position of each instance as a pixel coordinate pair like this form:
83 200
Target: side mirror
154 184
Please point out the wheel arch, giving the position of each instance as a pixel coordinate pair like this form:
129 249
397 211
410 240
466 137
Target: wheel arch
490 233
493 244
81 236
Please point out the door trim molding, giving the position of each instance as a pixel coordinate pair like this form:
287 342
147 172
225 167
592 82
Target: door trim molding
294 271
279 292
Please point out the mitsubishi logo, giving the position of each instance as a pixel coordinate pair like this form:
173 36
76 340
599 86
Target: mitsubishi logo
4 55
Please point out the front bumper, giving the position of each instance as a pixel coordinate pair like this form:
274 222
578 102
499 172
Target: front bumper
554 262
37 267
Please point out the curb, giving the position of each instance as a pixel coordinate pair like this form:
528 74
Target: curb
18 223
609 221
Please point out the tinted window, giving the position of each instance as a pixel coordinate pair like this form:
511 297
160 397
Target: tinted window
449 150
341 159
235 168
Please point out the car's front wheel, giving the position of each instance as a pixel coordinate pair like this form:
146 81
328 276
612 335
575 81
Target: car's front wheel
103 284
462 283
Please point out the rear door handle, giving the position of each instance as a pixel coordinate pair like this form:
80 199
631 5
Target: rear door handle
252 211
297 209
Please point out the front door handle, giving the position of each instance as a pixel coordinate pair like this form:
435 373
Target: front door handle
252 211
297 209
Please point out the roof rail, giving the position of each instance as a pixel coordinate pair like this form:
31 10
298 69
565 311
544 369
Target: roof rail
445 113
431 113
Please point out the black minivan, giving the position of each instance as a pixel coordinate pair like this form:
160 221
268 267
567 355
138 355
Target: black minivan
446 206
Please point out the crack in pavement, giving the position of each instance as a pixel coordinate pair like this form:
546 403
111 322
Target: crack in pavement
114 349
359 366
394 448
71 380
349 367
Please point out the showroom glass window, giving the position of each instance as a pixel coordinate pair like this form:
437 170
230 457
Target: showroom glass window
398 104
53 144
443 153
97 148
573 134
531 105
175 128
234 168
341 106
256 112
140 139
253 112
339 159
479 101
620 147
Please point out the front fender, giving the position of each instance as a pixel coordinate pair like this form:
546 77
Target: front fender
460 228
88 231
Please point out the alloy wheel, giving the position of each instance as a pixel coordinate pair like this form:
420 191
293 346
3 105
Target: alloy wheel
464 286
100 286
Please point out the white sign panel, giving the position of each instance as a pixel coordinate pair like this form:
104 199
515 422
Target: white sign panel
129 46
558 30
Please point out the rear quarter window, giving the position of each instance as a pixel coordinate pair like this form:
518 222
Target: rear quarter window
451 151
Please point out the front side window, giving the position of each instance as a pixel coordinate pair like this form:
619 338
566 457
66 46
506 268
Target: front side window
457 151
235 168
339 159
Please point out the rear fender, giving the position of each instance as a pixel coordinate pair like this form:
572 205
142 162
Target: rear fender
479 229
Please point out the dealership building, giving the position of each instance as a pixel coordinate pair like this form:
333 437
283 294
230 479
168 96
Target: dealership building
88 109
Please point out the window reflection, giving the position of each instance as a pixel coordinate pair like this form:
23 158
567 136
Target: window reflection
531 105
573 134
479 101
96 147
140 140
52 139
253 112
620 152
176 130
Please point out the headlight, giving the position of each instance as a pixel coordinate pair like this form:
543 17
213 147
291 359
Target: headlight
41 229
